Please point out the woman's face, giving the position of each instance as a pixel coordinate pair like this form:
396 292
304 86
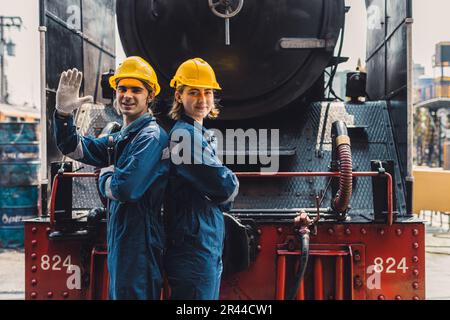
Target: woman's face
197 102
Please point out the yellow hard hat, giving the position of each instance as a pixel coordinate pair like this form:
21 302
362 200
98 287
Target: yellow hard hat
136 68
195 73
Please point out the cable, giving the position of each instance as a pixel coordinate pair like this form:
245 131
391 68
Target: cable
304 240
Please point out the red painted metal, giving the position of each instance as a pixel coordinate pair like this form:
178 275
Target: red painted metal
318 278
339 295
301 290
53 200
354 248
358 252
281 277
92 285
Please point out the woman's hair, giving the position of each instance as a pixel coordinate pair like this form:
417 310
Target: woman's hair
178 110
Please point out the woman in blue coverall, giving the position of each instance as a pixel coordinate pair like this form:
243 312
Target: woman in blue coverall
134 183
200 188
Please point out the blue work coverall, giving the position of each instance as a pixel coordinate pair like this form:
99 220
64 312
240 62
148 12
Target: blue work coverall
135 235
197 195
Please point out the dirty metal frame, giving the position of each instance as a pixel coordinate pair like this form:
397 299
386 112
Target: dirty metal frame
390 214
318 280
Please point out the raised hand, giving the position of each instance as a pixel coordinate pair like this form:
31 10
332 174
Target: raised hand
67 95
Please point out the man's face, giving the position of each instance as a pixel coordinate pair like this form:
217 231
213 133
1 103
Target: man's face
197 102
132 98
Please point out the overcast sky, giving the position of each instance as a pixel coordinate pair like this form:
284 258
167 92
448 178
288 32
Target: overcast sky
430 26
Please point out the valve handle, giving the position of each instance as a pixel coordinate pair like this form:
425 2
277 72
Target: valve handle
230 7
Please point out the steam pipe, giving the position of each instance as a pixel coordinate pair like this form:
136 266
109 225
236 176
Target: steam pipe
342 158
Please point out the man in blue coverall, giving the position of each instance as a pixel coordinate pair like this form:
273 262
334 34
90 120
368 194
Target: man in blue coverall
134 183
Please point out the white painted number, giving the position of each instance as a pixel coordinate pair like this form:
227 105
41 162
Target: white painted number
402 265
390 265
73 281
45 265
67 262
55 263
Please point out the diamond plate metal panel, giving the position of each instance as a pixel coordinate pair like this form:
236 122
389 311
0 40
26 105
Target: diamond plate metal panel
304 135
90 120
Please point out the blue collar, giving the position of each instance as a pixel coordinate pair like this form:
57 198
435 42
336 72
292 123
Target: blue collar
137 124
192 122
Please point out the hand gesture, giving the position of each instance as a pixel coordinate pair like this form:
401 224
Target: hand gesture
67 95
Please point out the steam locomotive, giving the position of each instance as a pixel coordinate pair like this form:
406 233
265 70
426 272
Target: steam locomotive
344 163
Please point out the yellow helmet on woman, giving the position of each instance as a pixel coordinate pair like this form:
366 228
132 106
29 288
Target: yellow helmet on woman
136 68
195 73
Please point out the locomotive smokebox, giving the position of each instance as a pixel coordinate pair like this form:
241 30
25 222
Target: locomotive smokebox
277 49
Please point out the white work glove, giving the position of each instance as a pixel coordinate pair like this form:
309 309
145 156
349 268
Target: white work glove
67 95
107 169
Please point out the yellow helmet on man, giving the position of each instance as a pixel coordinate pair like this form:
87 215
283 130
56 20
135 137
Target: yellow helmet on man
137 68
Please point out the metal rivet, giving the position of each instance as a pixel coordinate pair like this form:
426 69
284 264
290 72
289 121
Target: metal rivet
415 245
398 298
357 282
33 269
65 294
49 294
33 256
48 229
363 231
34 229
357 257
381 297
330 230
398 232
381 231
259 231
415 232
416 298
258 247
415 285
33 295
280 230
415 272
33 242
348 232
415 259
34 282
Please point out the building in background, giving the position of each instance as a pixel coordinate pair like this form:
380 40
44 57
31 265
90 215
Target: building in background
13 113
432 114
437 86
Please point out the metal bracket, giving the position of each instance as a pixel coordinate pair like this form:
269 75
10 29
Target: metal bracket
306 43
